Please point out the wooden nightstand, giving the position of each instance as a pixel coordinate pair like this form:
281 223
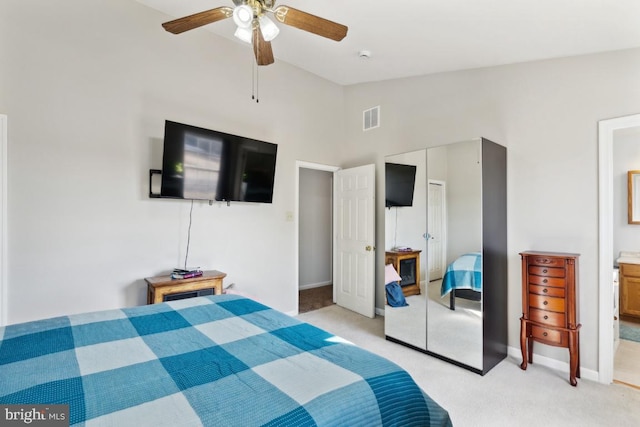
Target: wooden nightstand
161 286
407 264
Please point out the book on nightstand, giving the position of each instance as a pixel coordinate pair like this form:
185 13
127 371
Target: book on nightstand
185 274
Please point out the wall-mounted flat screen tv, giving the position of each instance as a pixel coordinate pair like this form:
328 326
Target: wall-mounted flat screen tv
204 164
399 184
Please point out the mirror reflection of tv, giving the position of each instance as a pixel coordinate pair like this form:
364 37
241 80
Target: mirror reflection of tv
204 164
399 184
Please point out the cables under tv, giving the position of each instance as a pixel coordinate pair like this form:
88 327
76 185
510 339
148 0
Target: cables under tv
186 256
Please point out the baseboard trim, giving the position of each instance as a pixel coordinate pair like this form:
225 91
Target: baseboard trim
557 365
314 285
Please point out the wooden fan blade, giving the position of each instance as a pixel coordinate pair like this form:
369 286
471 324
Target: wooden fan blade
311 23
262 48
196 20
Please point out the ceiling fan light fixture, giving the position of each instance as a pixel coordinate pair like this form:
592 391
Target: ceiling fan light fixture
253 27
243 16
244 34
269 29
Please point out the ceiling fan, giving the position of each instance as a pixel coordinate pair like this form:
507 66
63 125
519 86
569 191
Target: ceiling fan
255 27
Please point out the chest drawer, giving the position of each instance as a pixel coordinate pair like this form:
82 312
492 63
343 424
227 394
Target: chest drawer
558 282
550 318
546 271
547 291
545 261
547 303
549 336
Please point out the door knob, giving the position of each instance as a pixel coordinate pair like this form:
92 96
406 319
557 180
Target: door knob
368 248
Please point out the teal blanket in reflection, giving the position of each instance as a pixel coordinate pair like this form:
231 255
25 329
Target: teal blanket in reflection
463 273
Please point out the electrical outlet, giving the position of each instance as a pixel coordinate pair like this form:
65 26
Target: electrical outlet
289 216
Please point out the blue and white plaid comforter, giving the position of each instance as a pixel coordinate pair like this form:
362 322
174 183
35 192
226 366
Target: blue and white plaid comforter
463 273
223 360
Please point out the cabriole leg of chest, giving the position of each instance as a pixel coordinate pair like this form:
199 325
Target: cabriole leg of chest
523 342
573 359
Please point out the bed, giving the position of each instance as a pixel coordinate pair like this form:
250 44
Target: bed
222 360
463 279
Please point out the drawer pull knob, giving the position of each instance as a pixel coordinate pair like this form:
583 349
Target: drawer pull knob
546 317
545 281
545 290
545 302
545 334
545 270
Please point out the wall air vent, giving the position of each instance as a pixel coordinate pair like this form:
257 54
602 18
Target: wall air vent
371 118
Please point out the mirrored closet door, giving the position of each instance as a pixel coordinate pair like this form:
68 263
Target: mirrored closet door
405 243
458 213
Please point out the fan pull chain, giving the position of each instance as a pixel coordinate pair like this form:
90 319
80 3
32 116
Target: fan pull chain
253 78
255 89
257 84
255 73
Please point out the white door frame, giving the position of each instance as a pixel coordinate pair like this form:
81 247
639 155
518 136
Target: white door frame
606 129
316 166
3 221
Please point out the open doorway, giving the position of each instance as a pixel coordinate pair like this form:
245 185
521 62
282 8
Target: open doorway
607 130
315 236
626 238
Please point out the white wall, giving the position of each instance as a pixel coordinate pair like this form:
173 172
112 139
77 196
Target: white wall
626 157
315 224
86 87
546 113
3 220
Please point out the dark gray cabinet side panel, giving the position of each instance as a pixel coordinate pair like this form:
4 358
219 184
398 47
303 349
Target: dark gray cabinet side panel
494 237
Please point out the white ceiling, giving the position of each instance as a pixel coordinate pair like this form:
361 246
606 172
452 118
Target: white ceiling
417 37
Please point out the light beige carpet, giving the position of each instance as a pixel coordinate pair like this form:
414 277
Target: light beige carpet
505 397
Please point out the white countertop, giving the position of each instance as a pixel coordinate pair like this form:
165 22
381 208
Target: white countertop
629 258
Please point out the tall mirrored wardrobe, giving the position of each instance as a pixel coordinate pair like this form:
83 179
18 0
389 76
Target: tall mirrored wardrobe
447 241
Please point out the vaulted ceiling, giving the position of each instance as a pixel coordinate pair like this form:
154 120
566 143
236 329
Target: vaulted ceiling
415 37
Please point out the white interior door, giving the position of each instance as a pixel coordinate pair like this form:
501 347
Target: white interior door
354 225
436 227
